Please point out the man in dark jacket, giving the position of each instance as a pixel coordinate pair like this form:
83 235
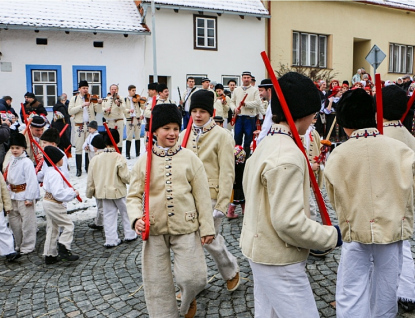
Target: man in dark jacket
6 105
61 117
4 137
33 106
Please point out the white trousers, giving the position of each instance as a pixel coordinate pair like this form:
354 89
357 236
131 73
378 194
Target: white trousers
406 290
6 237
313 206
22 221
190 272
227 263
57 217
111 208
367 280
133 129
99 220
282 291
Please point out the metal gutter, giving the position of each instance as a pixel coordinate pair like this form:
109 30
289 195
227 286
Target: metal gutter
387 5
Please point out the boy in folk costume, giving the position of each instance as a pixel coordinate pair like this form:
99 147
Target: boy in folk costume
180 217
277 232
93 131
57 193
98 224
214 146
222 103
6 236
394 107
369 181
24 191
134 107
107 180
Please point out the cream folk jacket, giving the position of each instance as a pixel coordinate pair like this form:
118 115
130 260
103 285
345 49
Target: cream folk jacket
215 147
75 109
370 183
5 201
222 108
138 108
115 112
108 176
179 193
252 101
396 130
277 229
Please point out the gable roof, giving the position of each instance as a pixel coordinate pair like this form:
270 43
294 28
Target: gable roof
396 4
116 16
241 7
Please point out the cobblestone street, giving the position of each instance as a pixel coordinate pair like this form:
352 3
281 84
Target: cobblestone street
107 282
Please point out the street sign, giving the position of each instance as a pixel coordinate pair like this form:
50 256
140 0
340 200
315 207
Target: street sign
375 57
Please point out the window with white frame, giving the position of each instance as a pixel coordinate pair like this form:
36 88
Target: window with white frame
401 58
227 78
94 80
309 49
44 86
205 32
198 79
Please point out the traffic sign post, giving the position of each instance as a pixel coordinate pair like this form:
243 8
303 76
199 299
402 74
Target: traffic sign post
375 57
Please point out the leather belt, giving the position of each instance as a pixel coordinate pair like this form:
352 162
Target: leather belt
115 119
81 124
16 188
49 197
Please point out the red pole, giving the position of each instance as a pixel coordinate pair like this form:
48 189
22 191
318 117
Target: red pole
63 130
146 213
322 207
408 106
188 130
56 168
111 137
379 103
27 122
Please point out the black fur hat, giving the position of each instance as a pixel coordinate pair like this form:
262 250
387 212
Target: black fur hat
202 99
356 110
18 140
161 87
54 154
394 101
98 142
51 135
164 114
115 135
301 95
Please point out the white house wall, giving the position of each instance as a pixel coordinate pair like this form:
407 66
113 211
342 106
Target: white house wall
123 58
240 42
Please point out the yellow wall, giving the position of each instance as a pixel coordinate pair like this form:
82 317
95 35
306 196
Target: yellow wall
343 21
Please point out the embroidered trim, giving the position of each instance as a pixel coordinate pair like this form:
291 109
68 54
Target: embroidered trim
162 153
365 134
110 150
279 130
206 128
393 124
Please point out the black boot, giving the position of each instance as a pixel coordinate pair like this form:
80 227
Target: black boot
86 162
78 159
127 149
51 260
120 148
65 254
137 148
247 151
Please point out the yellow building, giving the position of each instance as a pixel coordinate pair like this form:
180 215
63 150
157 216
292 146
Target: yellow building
338 35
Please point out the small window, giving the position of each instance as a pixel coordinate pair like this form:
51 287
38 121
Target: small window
41 41
401 58
309 50
205 32
44 86
94 80
98 44
227 78
198 78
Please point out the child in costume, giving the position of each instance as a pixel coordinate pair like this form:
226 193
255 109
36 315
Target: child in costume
93 131
24 191
277 231
107 180
238 192
180 218
369 180
57 193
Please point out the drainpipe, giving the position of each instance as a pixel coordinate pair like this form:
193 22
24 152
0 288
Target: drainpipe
269 32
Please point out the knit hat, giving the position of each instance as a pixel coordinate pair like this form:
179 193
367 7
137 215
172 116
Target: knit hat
51 135
30 95
115 135
161 88
240 154
93 124
98 142
202 99
301 95
356 110
152 86
38 122
394 101
218 86
18 140
83 84
163 114
54 154
266 83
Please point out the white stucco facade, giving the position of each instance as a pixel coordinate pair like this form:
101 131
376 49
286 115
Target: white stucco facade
239 43
119 61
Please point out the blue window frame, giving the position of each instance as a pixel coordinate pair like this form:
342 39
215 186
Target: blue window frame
96 76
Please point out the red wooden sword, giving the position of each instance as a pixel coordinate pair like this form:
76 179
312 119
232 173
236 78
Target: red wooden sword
408 106
379 103
322 207
111 137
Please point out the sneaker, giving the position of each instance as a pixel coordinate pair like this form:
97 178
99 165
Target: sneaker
192 310
66 255
113 245
130 240
408 306
51 260
233 283
95 227
13 256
